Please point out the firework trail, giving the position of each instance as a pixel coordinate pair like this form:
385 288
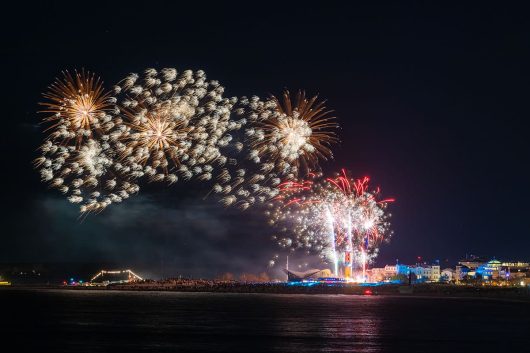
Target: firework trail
331 216
281 139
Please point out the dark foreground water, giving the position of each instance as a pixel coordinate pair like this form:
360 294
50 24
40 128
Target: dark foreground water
103 321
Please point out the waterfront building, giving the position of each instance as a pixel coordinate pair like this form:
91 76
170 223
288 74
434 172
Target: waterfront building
490 270
380 274
515 270
427 273
423 273
493 270
402 269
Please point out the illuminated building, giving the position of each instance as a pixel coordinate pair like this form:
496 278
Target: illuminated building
466 267
423 273
515 270
516 265
493 270
490 271
380 274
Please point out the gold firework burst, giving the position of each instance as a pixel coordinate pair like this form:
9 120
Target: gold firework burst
155 135
299 133
77 105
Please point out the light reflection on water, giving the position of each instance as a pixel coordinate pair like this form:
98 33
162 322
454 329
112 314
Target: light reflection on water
89 321
351 327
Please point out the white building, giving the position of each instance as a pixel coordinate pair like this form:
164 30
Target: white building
423 272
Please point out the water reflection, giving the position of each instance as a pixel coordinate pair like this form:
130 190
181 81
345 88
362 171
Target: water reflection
90 321
332 324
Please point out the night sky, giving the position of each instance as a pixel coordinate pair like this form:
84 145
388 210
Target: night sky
432 102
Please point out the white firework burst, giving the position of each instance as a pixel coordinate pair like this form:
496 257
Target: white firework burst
281 139
173 125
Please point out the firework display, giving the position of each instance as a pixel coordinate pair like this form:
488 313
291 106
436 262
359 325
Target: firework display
165 126
339 219
281 139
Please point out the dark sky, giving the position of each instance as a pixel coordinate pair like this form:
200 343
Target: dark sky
432 100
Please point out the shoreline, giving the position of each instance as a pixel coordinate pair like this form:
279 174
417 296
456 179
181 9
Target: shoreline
520 294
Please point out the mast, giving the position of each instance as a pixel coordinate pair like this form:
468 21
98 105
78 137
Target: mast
287 268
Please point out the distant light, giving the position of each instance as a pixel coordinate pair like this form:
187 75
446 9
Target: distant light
368 292
522 283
